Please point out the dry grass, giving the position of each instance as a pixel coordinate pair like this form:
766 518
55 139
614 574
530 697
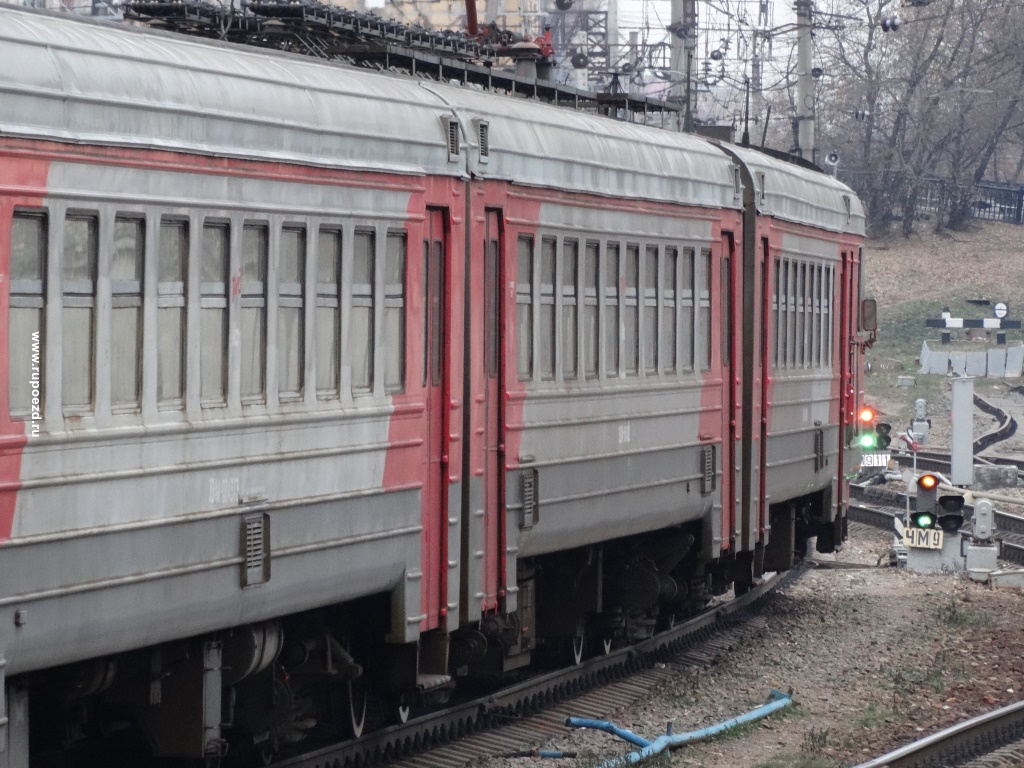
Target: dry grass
987 262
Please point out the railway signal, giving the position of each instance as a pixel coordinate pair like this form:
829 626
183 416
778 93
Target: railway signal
867 440
882 436
951 512
924 515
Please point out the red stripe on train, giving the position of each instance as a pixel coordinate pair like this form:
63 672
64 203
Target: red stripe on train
24 180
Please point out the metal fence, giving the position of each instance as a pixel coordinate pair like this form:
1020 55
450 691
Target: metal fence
989 201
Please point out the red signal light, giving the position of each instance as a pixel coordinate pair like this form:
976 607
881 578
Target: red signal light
928 482
866 415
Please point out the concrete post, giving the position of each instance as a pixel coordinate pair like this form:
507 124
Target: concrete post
962 440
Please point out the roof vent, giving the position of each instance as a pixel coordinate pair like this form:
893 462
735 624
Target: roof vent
452 127
848 203
737 184
760 185
483 133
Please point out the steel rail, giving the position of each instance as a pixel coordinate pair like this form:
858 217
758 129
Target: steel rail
958 743
532 695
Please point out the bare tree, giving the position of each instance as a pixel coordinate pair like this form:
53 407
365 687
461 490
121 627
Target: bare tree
933 100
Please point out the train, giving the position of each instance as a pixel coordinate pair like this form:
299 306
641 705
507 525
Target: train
331 393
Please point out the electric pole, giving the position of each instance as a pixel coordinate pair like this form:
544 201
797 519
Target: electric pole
804 83
684 51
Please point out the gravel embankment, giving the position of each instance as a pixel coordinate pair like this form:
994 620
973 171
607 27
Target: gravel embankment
875 657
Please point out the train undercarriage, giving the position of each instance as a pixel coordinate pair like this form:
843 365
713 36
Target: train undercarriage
251 694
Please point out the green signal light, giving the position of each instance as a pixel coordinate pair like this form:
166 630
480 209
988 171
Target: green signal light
866 441
924 520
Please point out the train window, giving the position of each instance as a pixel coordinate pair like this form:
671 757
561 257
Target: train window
25 338
524 308
591 290
611 301
546 335
775 313
651 310
81 245
791 315
784 297
291 312
172 274
686 306
328 312
631 310
361 325
213 325
570 268
816 316
394 313
492 297
126 280
801 294
726 310
827 323
669 292
705 309
253 321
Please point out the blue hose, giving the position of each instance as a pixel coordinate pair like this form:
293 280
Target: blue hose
668 741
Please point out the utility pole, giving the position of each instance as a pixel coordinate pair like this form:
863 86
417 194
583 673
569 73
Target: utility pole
804 83
756 92
684 51
612 32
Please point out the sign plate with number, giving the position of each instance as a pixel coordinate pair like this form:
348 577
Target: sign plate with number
875 460
923 538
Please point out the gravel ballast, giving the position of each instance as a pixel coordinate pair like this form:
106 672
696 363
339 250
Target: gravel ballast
876 657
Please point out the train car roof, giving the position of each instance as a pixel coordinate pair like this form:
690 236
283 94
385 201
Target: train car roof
82 81
791 193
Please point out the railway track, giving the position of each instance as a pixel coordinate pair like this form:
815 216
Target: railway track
992 740
984 737
596 687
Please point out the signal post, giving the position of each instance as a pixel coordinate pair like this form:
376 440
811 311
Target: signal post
931 532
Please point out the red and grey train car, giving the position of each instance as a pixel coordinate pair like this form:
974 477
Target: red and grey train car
328 389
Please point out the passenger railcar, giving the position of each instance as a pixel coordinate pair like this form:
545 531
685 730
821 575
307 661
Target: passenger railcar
327 389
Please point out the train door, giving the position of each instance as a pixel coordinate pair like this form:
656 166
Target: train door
732 494
494 459
435 384
848 368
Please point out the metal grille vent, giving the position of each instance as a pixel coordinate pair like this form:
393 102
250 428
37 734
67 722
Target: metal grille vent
737 184
760 186
453 139
849 207
528 514
819 450
707 469
255 549
483 131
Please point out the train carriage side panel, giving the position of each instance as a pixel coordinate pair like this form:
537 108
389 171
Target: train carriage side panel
144 503
807 222
568 152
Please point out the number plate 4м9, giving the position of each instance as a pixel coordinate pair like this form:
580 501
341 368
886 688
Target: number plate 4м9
924 538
